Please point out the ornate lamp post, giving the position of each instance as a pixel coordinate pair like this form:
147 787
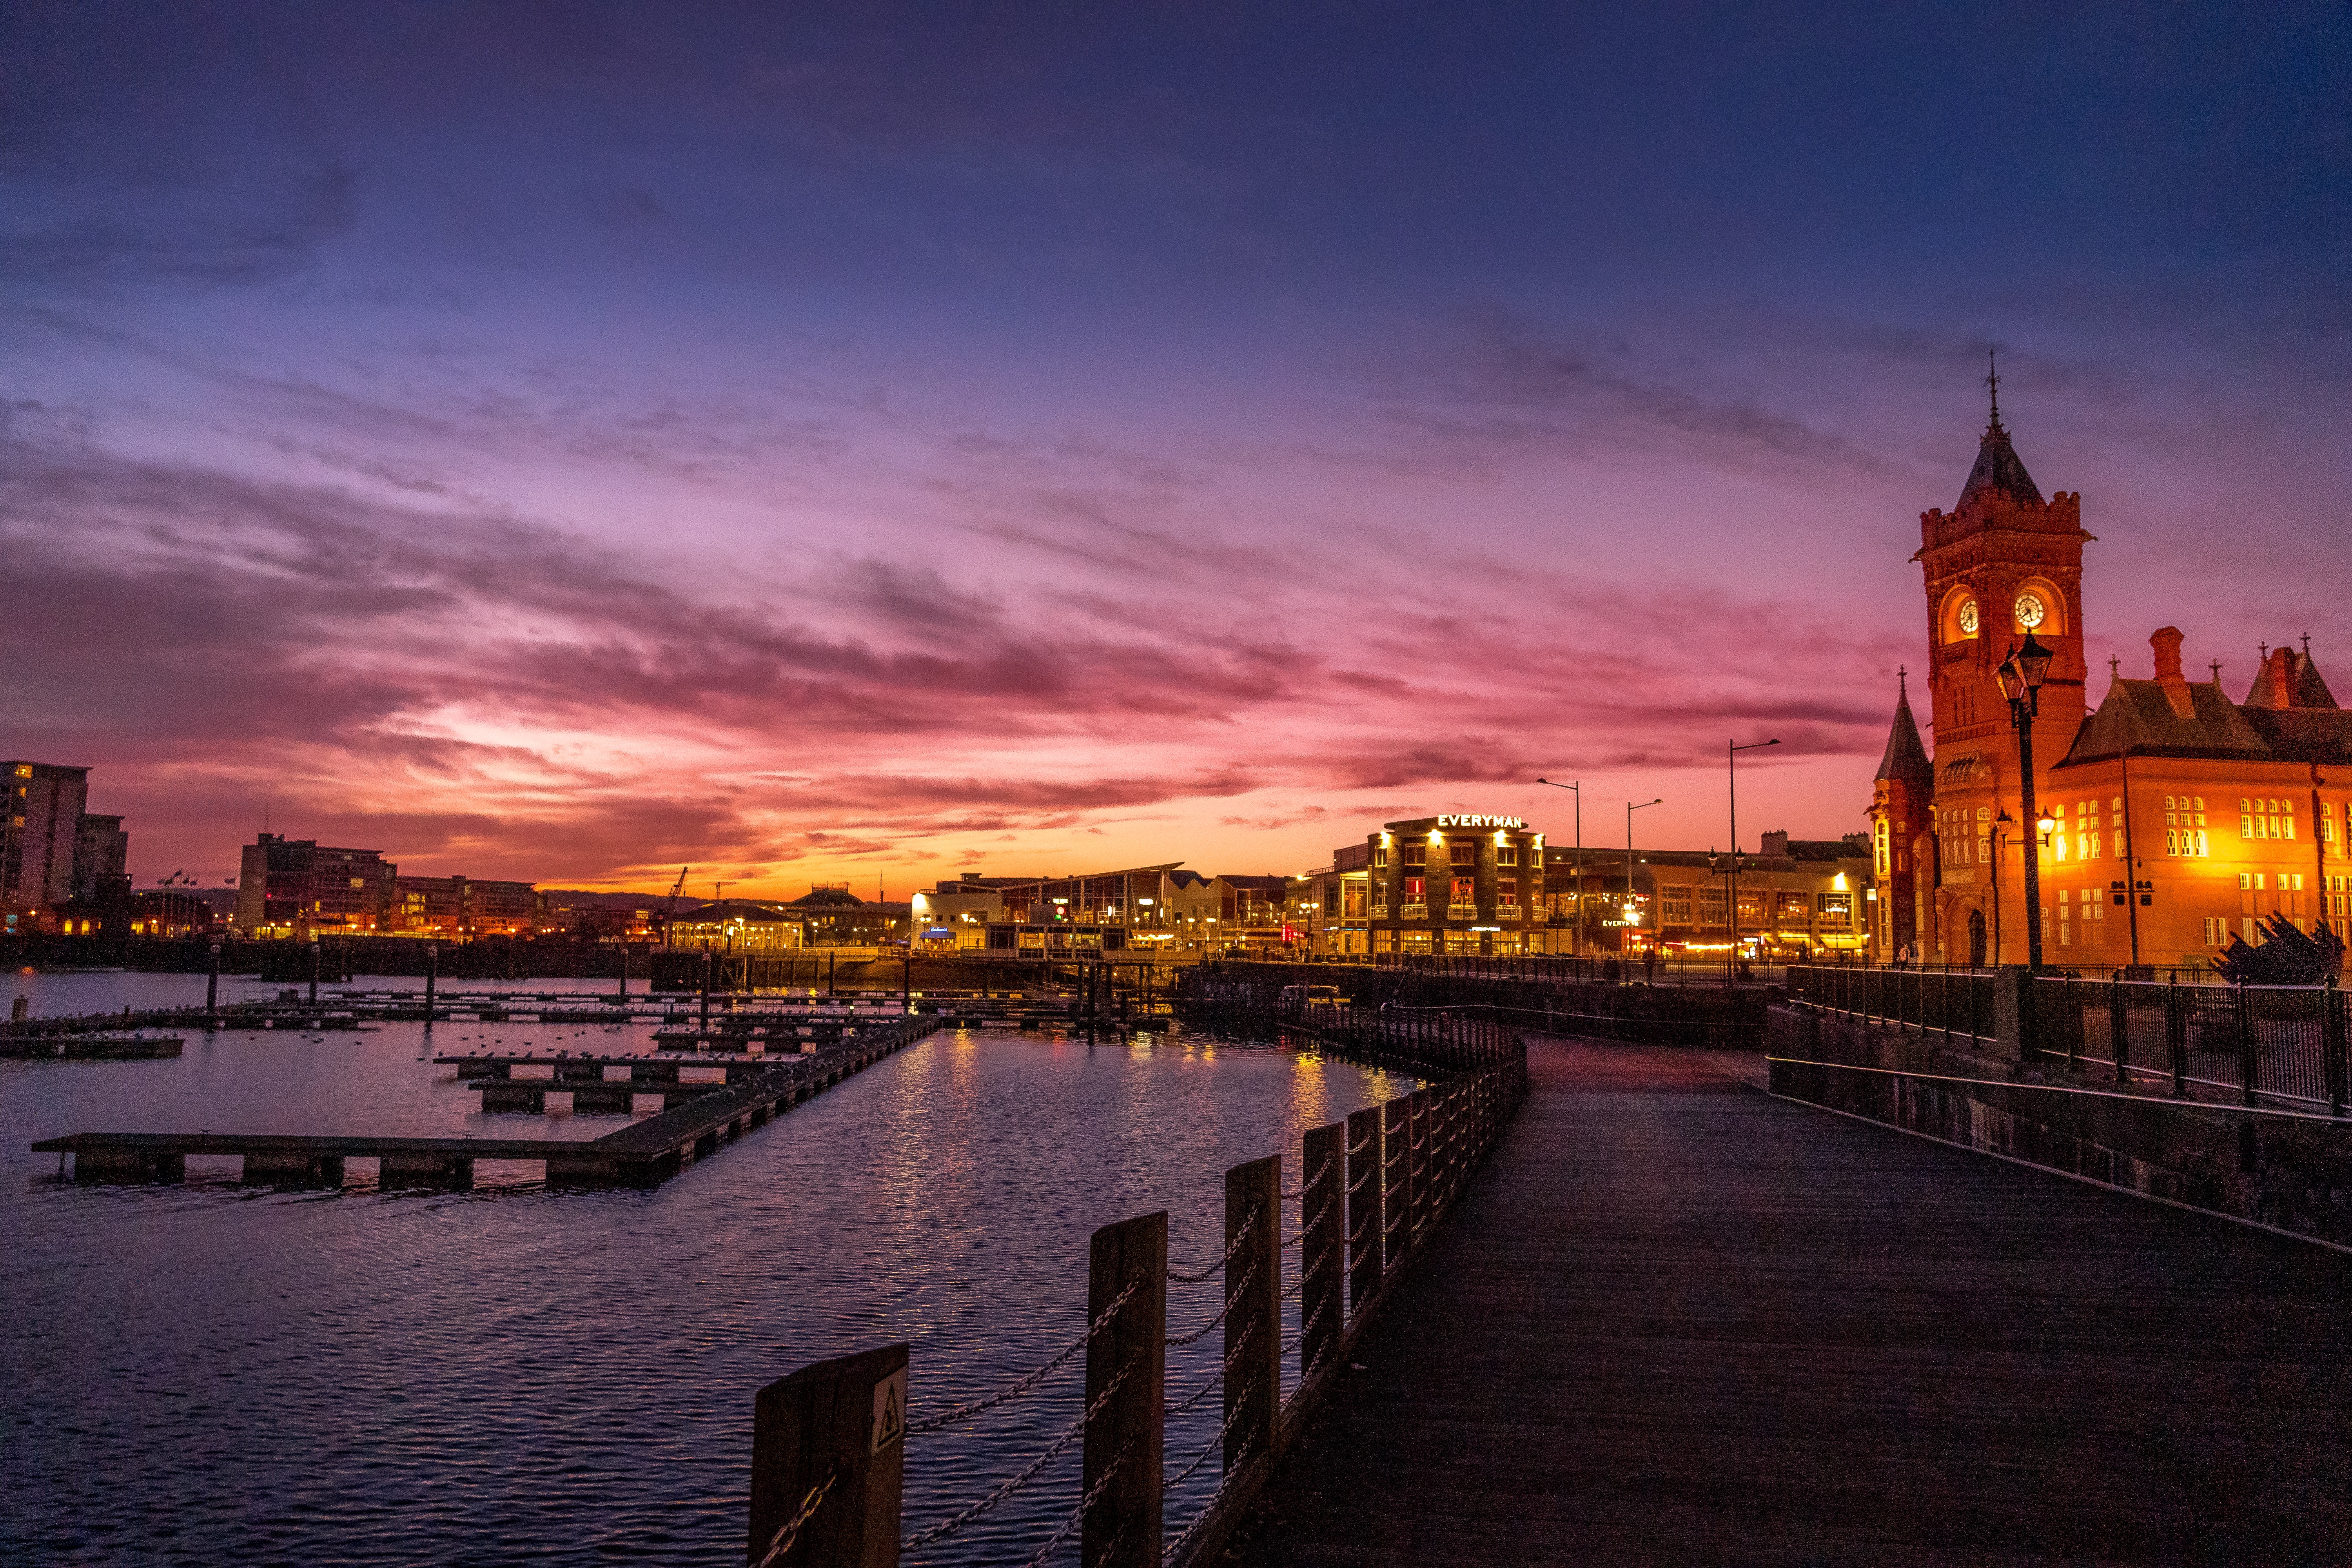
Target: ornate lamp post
2021 676
1578 896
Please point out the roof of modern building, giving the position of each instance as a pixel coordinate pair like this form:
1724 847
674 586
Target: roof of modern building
727 910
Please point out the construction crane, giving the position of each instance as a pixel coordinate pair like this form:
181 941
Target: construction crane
669 916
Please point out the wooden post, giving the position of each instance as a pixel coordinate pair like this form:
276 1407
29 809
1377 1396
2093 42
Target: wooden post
1364 1207
212 990
432 975
1123 1440
1396 1181
1322 1246
709 967
828 1451
1253 1308
314 971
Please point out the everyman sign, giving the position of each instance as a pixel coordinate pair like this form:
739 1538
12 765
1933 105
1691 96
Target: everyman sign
1480 822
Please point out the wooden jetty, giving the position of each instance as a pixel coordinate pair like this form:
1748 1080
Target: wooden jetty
642 1154
88 1047
1681 1321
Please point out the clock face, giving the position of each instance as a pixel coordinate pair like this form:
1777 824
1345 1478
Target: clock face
1969 618
2029 611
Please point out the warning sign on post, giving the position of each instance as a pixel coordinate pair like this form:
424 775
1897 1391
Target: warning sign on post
889 1410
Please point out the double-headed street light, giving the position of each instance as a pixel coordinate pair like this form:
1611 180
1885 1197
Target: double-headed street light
1630 808
1578 895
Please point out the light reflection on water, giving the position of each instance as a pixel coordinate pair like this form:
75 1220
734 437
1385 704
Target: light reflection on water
206 1374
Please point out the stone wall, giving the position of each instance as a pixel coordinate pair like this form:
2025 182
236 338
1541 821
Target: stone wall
2278 1169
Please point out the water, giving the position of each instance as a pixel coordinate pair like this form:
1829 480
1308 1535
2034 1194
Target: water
210 1373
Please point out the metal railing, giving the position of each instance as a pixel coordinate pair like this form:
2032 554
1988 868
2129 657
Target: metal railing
830 1440
2252 1044
1952 1002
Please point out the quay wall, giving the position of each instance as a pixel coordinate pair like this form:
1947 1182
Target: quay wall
2288 1172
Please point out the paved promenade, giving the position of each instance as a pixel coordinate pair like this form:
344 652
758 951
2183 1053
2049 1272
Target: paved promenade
1678 1321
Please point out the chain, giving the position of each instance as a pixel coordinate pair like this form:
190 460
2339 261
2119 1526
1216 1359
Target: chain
1240 1458
1015 1390
790 1531
1233 1247
1235 1295
1311 1183
1077 1514
950 1527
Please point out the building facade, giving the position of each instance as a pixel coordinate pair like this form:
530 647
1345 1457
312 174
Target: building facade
298 887
37 836
460 908
2169 821
1459 884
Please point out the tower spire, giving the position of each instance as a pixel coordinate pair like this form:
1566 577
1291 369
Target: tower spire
1992 382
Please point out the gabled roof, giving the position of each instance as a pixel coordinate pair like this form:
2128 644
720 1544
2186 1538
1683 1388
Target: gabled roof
2137 718
1998 470
1905 761
2322 735
726 910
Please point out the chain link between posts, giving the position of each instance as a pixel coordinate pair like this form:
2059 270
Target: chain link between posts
1023 1384
948 1527
790 1531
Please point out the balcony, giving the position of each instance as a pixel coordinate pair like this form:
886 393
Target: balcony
1413 912
1509 912
1380 911
1461 911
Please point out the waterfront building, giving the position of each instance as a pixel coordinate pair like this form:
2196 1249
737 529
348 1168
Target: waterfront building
37 838
461 908
738 925
1451 883
2169 821
833 916
955 916
298 887
171 912
101 861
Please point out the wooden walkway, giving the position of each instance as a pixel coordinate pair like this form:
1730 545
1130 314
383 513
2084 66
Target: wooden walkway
1679 1322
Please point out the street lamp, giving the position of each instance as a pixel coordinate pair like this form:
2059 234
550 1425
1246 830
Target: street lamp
2000 825
1731 766
1630 808
1578 789
2021 676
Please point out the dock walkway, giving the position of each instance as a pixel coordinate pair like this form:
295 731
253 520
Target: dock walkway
1677 1320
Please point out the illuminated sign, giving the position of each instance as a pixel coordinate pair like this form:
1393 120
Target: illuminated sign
1480 822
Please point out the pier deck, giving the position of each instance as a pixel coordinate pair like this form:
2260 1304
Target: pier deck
642 1154
1684 1322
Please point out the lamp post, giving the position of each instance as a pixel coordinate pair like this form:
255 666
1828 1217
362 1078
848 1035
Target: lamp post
1630 808
1731 766
1577 870
1999 822
2021 676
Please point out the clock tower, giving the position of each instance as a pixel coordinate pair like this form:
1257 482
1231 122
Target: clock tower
2002 562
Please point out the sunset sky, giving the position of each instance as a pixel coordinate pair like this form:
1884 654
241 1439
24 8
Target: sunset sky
848 444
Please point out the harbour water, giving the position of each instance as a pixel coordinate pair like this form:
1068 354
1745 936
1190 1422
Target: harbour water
213 1374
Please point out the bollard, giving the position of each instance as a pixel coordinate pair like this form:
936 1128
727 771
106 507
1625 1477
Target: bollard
828 1459
432 973
212 990
314 971
1322 1249
621 996
710 966
1121 1469
1364 1207
1253 1308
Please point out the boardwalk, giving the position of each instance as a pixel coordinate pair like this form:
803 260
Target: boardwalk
1680 1321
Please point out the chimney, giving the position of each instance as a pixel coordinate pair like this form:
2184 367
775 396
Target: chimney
1774 843
2166 644
2274 687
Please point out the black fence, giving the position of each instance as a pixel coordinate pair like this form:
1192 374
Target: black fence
2255 1044
1953 1001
